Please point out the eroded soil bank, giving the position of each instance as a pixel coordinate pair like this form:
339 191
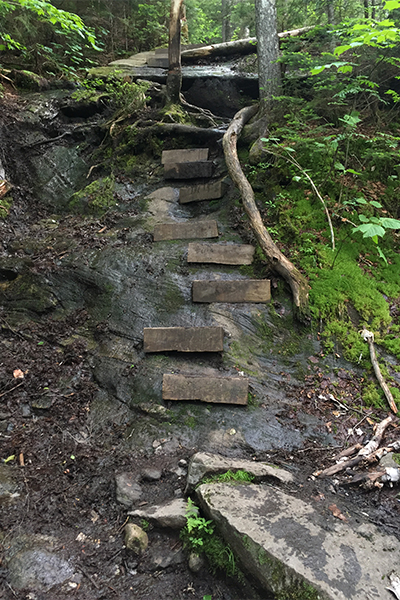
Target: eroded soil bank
76 291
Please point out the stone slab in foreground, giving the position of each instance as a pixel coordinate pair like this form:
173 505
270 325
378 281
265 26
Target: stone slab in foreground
241 290
222 254
204 464
296 552
183 339
184 156
203 191
218 390
185 231
188 170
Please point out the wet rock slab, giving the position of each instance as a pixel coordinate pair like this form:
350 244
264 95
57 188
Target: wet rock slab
293 551
204 463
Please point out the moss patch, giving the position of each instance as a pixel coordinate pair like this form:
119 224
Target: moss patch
96 198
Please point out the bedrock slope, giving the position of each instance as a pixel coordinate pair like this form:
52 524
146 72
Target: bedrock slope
293 551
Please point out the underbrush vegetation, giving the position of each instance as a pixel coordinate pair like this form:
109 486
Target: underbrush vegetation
199 536
337 148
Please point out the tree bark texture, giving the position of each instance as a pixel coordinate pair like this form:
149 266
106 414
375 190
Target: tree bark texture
278 261
269 70
174 78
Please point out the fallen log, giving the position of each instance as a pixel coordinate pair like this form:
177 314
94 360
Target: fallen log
278 261
246 46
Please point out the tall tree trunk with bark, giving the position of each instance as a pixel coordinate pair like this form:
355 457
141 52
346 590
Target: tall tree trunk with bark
269 70
330 12
226 20
174 78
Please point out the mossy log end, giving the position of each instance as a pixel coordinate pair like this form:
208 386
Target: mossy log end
278 261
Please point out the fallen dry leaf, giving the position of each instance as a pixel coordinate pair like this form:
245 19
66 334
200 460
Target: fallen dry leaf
18 374
336 512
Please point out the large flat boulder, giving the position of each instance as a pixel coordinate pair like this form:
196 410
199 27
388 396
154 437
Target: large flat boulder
296 552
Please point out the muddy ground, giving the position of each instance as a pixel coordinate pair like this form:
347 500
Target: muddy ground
60 465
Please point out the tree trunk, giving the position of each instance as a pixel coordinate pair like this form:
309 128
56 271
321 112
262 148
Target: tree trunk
330 12
174 78
279 263
366 9
226 20
269 70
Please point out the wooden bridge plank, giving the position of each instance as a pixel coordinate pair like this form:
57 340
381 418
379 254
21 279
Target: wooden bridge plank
219 390
183 339
188 170
223 254
243 290
186 230
184 156
203 191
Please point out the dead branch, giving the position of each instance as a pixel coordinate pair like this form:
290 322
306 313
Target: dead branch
370 452
368 336
246 46
278 261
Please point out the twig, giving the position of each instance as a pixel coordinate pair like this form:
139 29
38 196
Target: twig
294 162
89 577
12 389
368 336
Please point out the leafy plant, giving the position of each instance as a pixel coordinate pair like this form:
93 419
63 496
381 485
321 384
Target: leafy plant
239 476
199 535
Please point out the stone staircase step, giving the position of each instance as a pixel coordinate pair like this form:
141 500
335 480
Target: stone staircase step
203 191
223 254
189 170
219 390
186 230
243 290
161 62
183 339
184 156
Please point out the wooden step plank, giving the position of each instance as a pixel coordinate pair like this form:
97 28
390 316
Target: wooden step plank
243 290
219 390
203 191
185 231
158 62
222 254
189 170
184 156
183 339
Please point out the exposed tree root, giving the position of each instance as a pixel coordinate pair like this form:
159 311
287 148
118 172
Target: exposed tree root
278 261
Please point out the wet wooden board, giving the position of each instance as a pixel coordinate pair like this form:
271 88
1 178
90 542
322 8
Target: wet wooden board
243 290
161 62
184 156
189 170
219 390
204 191
185 231
222 254
183 339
